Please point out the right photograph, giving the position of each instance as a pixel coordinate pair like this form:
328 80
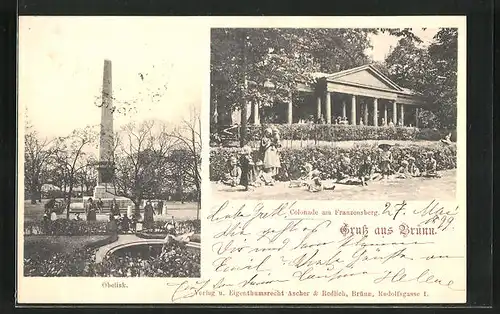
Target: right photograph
333 113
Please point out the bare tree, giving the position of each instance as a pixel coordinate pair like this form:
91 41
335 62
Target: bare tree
188 137
87 175
71 158
141 161
37 155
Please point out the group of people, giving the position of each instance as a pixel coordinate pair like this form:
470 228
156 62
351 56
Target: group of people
245 171
92 207
117 221
368 170
342 120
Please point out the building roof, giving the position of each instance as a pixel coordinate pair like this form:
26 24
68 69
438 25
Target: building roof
375 72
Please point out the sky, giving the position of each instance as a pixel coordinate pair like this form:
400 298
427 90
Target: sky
61 64
382 43
61 68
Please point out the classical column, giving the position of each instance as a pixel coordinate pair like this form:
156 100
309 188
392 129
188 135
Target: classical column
328 108
344 111
318 108
416 117
375 111
353 110
394 112
402 115
385 114
256 115
365 118
290 109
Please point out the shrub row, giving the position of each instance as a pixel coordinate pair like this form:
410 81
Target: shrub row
74 228
327 159
145 235
332 132
180 226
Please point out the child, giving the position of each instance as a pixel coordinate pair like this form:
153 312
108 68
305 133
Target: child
344 169
403 171
306 175
412 167
430 166
262 177
447 139
366 170
315 184
246 163
233 177
385 160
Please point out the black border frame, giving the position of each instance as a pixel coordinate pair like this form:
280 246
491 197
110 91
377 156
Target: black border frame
479 119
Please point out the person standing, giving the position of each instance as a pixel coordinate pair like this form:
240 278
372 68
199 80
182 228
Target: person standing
269 151
115 208
91 210
365 171
385 160
148 215
160 207
125 223
99 205
246 163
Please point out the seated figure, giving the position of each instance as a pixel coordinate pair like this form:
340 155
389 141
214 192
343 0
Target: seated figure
306 176
233 177
431 167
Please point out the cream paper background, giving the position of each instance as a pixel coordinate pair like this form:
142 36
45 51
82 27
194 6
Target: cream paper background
451 242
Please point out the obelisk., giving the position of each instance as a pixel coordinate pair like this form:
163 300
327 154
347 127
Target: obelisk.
105 187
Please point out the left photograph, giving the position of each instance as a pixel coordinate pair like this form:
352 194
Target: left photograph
109 147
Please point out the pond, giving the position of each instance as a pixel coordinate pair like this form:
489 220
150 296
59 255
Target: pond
145 260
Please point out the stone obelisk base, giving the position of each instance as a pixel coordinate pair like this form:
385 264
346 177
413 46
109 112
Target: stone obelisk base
104 191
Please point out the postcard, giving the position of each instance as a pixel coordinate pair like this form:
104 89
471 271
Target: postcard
242 160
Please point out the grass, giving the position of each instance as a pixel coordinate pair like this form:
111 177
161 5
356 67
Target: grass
443 188
178 210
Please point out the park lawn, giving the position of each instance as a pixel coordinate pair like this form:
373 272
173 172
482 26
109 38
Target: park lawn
180 211
58 244
443 188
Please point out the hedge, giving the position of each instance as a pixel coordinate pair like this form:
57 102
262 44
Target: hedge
144 235
326 159
334 132
61 227
72 228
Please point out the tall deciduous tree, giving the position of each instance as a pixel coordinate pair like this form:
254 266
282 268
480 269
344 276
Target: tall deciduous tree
37 155
432 71
188 139
71 158
444 53
142 161
265 65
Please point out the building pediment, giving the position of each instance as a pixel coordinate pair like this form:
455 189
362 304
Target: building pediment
365 76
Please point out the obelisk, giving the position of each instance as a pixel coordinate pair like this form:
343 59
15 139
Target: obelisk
105 187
